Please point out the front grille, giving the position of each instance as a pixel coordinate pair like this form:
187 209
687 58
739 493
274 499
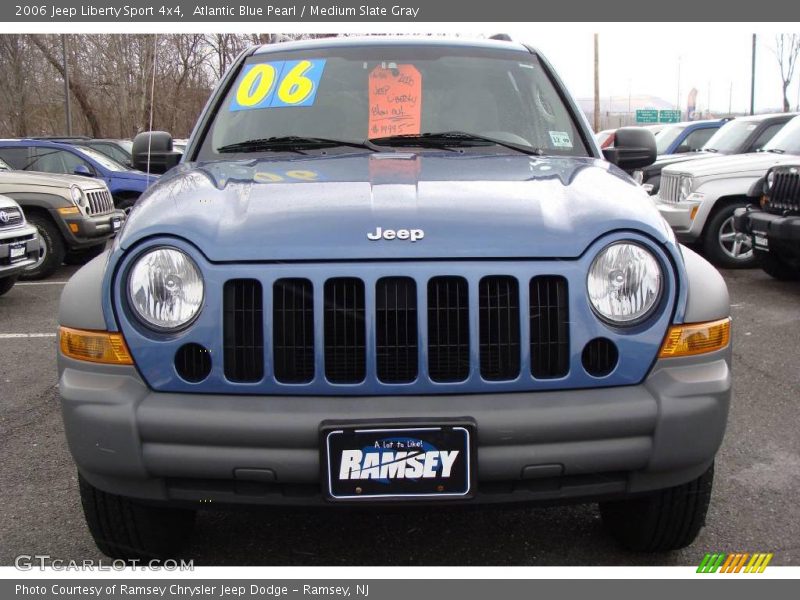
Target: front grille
549 324
670 187
293 330
785 192
448 329
345 335
99 202
10 217
499 328
396 329
243 330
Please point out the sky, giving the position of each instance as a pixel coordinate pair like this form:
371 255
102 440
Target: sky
643 59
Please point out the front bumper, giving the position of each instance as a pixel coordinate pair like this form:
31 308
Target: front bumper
89 231
548 445
24 237
770 232
682 217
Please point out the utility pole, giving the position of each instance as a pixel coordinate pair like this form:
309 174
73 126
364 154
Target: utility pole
67 106
753 78
596 82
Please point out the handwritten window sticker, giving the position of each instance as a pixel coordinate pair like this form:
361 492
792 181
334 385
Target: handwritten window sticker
395 100
560 139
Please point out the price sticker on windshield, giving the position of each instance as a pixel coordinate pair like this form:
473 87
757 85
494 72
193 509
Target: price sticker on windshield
278 84
395 100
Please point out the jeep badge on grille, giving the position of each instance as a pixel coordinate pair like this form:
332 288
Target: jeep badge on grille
396 234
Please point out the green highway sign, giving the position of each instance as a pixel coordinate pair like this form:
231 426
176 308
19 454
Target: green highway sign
647 115
669 116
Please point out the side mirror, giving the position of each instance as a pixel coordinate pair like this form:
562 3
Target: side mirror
634 148
83 170
153 149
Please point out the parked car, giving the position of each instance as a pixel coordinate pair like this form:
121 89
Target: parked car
19 244
689 136
48 156
698 198
118 150
74 216
774 226
425 286
737 136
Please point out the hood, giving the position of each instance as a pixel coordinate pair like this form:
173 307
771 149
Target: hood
138 176
6 202
49 180
753 164
323 208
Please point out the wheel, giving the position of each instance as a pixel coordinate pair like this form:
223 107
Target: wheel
6 283
125 203
51 249
723 245
81 257
662 521
776 267
126 529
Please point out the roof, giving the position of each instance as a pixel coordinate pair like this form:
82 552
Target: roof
362 41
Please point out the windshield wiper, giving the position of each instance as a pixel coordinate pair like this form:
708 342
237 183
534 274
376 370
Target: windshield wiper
294 143
449 139
775 151
710 150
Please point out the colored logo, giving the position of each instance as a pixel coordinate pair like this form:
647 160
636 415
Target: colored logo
738 562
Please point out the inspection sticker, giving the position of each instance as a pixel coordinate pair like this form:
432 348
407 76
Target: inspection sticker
279 83
560 139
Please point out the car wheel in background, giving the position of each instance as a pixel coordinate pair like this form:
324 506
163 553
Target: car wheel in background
126 529
81 257
662 521
775 267
51 249
6 283
723 245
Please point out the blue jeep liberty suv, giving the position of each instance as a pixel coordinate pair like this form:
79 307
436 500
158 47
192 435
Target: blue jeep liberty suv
393 272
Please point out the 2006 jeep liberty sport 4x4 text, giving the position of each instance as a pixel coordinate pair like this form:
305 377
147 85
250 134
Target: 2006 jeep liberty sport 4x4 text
394 271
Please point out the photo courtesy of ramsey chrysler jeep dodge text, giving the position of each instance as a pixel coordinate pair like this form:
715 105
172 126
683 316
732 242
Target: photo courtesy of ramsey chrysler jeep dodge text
393 272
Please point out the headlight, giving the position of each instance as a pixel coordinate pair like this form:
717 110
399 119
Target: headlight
624 283
770 179
686 187
165 289
77 194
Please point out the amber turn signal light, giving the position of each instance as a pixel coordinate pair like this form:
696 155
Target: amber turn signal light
94 346
696 338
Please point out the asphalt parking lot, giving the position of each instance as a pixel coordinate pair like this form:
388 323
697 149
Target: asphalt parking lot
754 506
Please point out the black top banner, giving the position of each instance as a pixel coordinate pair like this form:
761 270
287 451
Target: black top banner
441 11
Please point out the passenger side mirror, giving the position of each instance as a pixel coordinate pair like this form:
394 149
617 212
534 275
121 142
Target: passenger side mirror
83 170
634 148
155 148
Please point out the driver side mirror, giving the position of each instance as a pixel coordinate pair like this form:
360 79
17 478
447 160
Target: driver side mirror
83 170
152 151
634 148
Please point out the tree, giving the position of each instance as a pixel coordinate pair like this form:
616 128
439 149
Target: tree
787 50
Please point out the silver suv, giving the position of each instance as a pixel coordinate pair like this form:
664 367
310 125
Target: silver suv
19 244
698 197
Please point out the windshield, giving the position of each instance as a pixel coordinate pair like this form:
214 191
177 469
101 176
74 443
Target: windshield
787 140
665 137
731 137
105 161
358 93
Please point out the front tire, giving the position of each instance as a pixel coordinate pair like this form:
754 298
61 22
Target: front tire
777 268
665 520
51 249
6 283
127 529
723 245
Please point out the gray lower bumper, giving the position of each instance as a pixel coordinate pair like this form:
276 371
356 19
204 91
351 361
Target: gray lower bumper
129 440
25 237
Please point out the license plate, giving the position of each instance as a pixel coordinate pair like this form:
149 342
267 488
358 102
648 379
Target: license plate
421 462
115 223
761 241
16 253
